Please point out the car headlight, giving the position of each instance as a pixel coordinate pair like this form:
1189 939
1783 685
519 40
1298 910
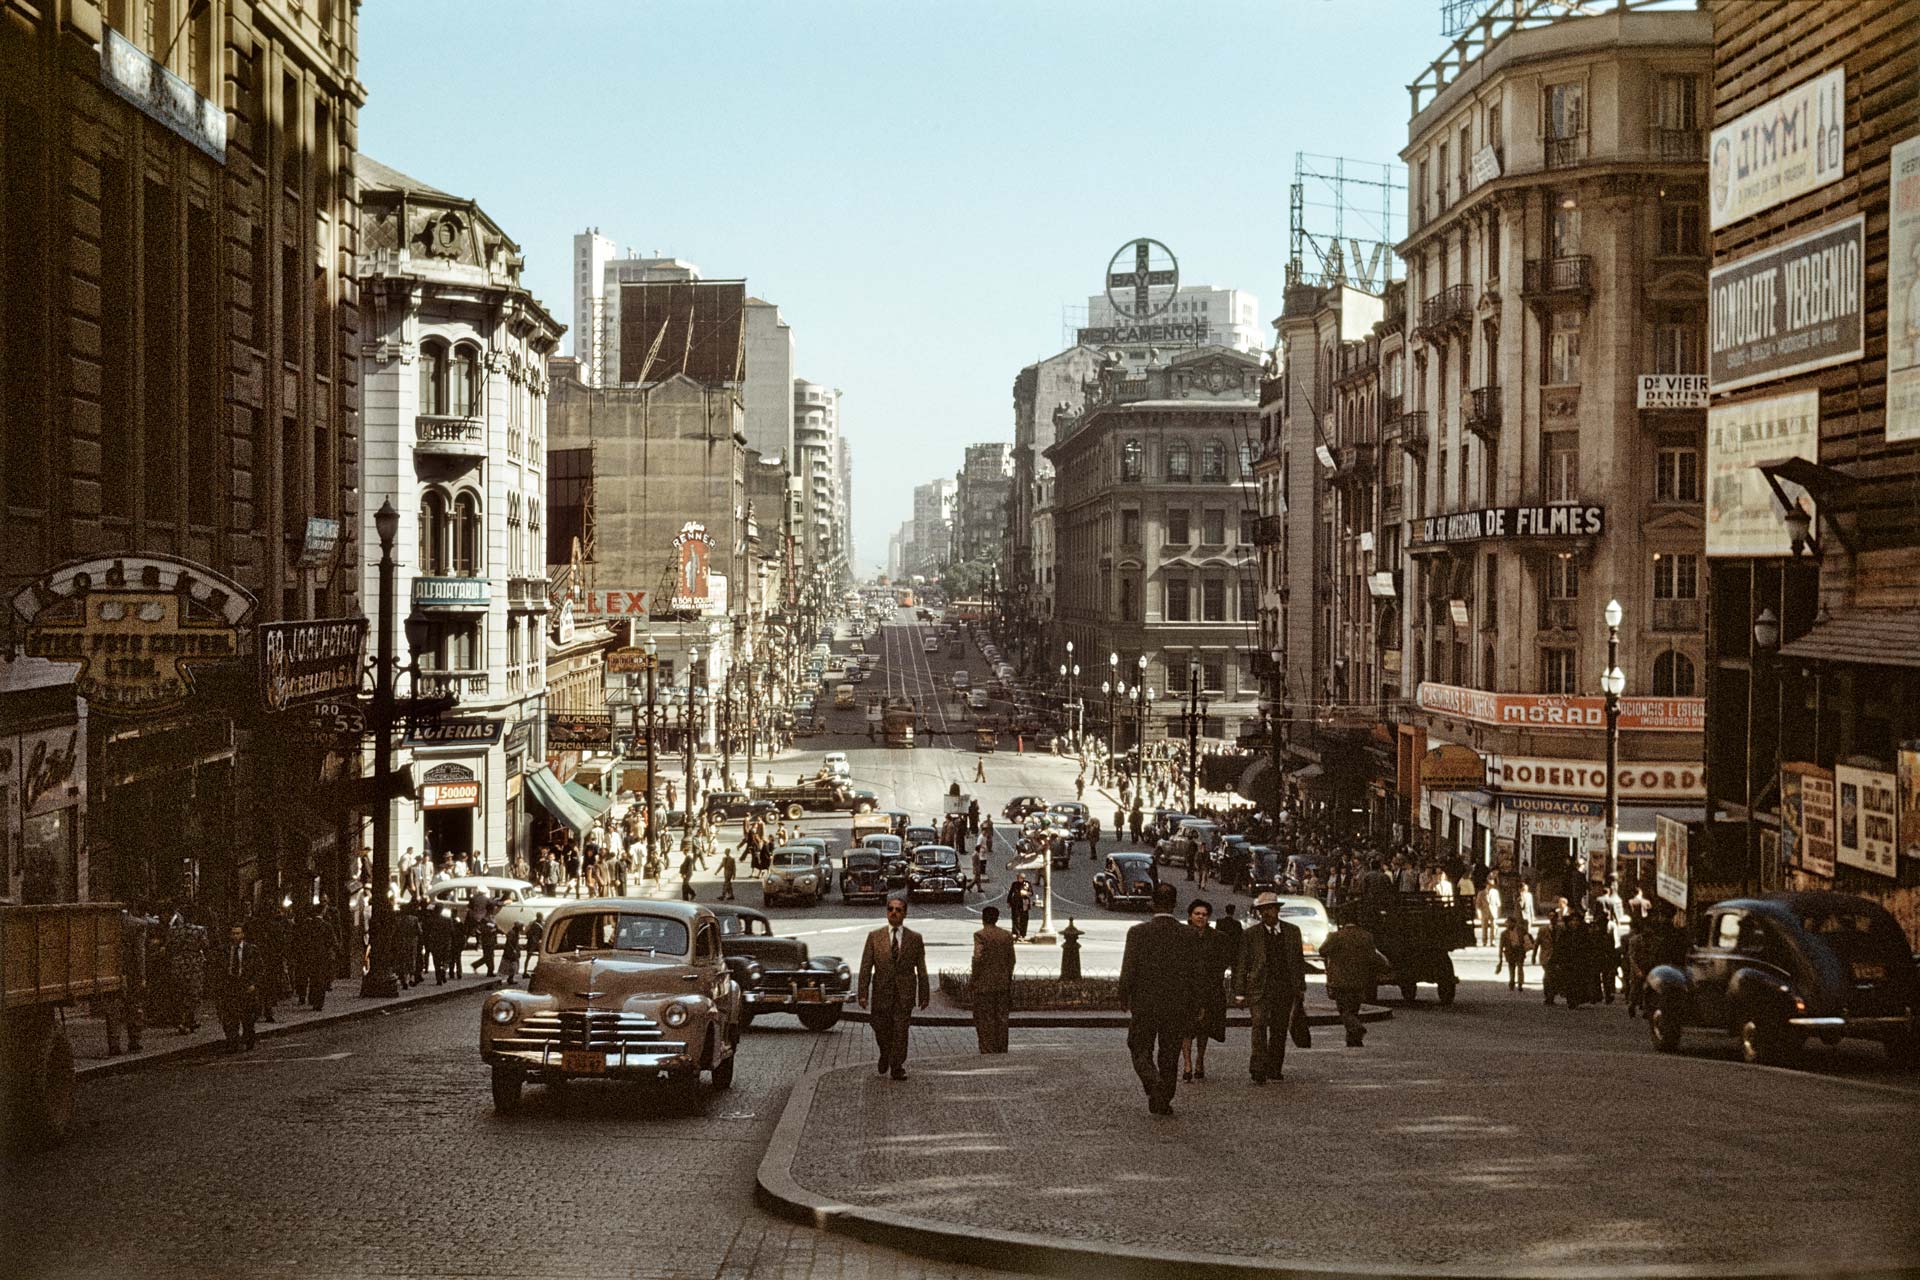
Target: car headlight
503 1012
676 1015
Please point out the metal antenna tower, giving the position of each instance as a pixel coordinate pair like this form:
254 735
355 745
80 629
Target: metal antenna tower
1366 261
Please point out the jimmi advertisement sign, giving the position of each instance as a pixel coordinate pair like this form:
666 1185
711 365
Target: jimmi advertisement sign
1785 310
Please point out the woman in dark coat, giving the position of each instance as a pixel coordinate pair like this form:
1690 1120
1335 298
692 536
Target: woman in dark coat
1210 1002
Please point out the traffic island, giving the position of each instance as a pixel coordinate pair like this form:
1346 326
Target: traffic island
1360 1162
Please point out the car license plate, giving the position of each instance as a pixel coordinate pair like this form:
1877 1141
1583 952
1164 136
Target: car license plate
808 995
579 1062
1865 971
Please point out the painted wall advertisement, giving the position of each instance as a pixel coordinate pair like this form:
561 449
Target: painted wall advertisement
1795 307
1908 779
1814 841
1670 859
1743 516
1562 710
694 547
1903 293
1867 817
1783 148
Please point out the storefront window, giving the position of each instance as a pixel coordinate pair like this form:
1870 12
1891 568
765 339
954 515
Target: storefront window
50 869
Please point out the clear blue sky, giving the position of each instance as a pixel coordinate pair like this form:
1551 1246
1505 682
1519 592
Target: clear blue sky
920 186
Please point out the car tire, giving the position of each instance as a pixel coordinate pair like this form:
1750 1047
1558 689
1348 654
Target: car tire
796 811
1763 1043
1903 1049
1410 992
507 1084
1446 988
721 1076
1664 1025
821 1019
863 807
41 1102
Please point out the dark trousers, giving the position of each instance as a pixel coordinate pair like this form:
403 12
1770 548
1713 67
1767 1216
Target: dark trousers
1347 1000
313 990
1020 923
487 936
238 1012
891 1025
1154 1044
991 1009
1270 1021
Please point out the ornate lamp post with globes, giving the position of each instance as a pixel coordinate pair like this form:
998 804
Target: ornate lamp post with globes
1613 682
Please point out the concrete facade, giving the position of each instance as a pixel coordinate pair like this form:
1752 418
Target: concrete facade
1043 392
769 389
984 481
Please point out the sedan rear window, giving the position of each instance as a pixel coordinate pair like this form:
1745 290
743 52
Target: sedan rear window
619 931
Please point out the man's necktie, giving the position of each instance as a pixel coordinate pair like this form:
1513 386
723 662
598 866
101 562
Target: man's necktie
233 964
896 946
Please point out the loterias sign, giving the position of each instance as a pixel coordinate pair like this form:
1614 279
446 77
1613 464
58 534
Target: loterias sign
1491 524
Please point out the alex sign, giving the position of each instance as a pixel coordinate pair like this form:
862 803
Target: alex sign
136 625
1666 780
615 602
1562 711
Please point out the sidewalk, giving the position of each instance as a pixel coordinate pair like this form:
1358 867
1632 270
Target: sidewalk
1386 1160
88 1034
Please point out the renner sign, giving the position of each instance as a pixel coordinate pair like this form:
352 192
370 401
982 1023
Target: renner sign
1663 780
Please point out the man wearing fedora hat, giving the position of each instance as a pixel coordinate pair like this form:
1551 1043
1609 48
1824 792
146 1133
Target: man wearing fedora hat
1270 979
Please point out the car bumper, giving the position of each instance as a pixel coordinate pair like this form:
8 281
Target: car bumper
1855 1025
793 997
640 1061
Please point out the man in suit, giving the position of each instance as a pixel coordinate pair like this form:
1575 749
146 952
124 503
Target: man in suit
1270 979
992 982
1159 982
237 989
893 975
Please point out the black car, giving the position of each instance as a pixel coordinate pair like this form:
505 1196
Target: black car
1775 970
871 874
935 872
1020 806
729 805
900 818
1126 880
915 836
783 977
1075 813
863 801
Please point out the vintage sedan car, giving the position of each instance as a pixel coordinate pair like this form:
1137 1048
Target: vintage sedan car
917 835
1020 806
900 819
784 978
517 901
1775 970
1126 880
1075 813
625 988
1308 915
935 872
729 805
873 871
793 875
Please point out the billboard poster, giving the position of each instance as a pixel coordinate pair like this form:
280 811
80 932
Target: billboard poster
1907 825
694 547
1903 292
1791 817
1866 819
1743 516
1785 147
1670 859
1817 836
1789 309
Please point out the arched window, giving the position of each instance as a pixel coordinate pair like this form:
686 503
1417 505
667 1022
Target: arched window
462 386
433 377
1179 460
516 543
466 535
1213 461
433 533
1132 460
1673 675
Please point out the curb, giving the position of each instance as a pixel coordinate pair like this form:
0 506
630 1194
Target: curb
776 1191
1099 1020
273 1030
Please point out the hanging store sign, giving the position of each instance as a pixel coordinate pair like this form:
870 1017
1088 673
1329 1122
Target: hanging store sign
1743 515
575 730
452 593
162 95
466 731
303 662
1670 859
449 786
616 602
1661 780
694 545
1561 711
1866 819
1671 391
1783 148
1789 309
1496 523
137 625
323 535
627 661
1903 285
1485 168
1453 768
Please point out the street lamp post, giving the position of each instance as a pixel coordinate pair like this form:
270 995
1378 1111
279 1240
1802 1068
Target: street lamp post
651 663
687 747
1194 711
1139 729
1766 638
1614 683
1113 674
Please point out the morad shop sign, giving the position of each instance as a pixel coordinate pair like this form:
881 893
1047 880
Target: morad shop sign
136 625
1492 524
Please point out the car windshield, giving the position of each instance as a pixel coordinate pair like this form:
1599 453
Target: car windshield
862 861
1302 910
936 858
794 858
618 931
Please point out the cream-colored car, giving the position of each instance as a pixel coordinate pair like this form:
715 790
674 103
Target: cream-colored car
622 988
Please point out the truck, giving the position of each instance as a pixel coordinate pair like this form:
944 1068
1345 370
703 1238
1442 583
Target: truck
1417 932
51 955
898 717
813 795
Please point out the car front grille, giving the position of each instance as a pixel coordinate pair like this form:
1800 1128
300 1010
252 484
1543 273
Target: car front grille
606 1030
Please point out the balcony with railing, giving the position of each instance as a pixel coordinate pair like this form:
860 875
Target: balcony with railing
444 436
1547 277
1352 463
1676 615
1448 307
462 684
1413 433
1269 530
1564 153
1480 412
1679 144
528 593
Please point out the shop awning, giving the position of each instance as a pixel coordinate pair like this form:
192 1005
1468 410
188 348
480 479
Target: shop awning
556 800
1636 821
1306 773
590 800
1869 637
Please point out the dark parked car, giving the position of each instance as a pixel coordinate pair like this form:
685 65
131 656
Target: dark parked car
784 978
935 872
917 835
870 873
729 805
1075 813
1126 880
900 818
1775 970
1020 806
